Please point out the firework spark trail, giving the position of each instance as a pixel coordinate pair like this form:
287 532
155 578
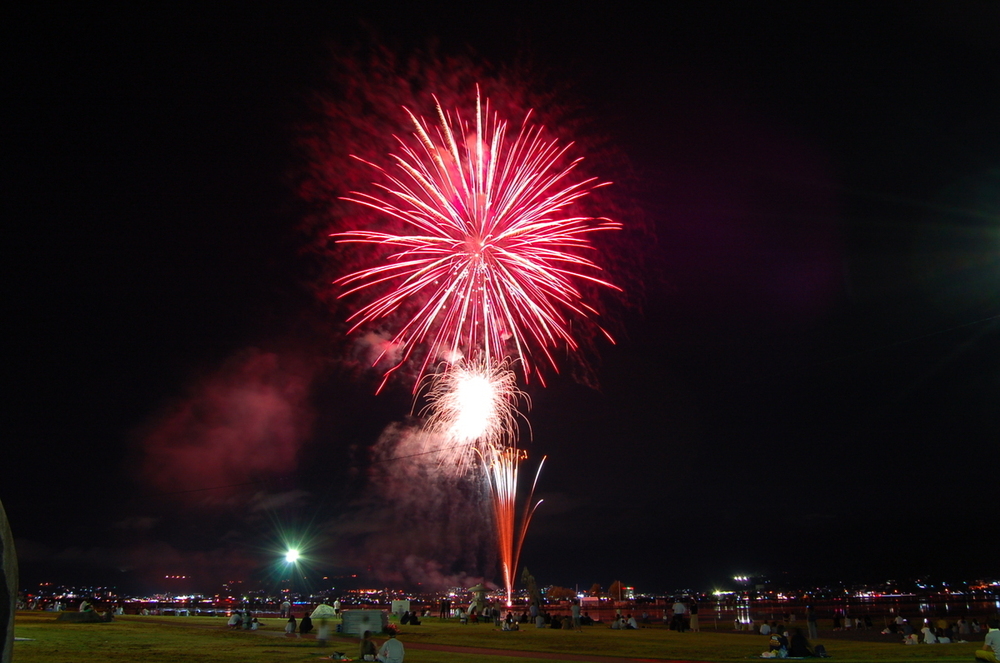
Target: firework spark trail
493 256
502 465
473 404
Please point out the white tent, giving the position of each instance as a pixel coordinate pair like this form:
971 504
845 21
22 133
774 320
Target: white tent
323 611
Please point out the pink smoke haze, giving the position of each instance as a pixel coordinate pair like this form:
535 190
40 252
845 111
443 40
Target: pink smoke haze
244 422
420 520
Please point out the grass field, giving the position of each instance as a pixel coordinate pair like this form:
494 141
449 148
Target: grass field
182 639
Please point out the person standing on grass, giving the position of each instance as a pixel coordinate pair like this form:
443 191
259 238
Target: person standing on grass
811 622
323 632
678 621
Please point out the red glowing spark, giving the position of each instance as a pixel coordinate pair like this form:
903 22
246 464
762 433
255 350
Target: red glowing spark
493 255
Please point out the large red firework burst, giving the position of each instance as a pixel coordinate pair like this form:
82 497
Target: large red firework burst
490 249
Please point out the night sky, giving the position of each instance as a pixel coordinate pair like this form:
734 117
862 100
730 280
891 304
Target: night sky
807 376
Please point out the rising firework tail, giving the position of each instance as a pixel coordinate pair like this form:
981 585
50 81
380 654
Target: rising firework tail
501 470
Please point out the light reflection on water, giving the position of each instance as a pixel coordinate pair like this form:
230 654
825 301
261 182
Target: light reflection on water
741 612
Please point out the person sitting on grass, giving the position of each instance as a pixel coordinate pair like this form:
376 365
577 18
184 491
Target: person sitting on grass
941 625
368 651
779 645
991 645
392 650
799 646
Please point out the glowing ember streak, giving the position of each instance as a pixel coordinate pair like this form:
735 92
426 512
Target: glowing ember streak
473 403
492 259
502 466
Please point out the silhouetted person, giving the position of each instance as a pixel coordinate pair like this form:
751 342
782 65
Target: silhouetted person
799 646
368 650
